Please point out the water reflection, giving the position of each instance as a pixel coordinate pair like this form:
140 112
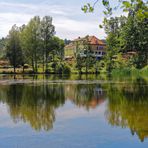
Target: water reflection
128 107
33 104
36 103
85 95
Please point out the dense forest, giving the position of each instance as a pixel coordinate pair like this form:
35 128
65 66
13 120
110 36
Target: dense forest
35 47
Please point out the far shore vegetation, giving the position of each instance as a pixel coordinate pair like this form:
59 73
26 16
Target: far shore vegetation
34 48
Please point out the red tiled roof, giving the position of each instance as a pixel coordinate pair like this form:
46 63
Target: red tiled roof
69 46
92 40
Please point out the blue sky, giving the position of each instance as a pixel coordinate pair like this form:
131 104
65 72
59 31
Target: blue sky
69 20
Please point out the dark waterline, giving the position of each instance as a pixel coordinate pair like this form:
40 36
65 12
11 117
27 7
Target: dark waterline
73 111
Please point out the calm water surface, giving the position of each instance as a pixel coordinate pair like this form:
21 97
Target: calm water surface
75 112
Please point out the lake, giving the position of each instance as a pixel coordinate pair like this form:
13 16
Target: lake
73 112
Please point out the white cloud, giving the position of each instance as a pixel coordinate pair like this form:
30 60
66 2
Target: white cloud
69 23
73 28
74 112
9 19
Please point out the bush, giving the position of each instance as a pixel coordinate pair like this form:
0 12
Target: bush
121 72
66 69
26 66
61 68
48 71
144 71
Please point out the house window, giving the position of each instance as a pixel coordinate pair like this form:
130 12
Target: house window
100 47
85 52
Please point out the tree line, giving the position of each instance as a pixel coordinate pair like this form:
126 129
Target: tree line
34 44
126 43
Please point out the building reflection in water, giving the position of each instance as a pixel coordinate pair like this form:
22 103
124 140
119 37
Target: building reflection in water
36 104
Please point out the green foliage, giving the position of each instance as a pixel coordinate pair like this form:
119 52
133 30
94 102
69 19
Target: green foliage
31 42
47 30
88 8
2 47
134 34
34 44
37 46
14 51
66 69
86 62
57 47
79 63
61 68
144 71
126 4
128 105
125 35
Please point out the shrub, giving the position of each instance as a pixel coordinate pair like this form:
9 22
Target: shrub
144 70
66 69
26 66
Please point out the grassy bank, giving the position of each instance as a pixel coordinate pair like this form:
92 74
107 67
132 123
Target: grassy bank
130 72
63 68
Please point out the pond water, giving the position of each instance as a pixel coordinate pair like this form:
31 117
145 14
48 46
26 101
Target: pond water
73 112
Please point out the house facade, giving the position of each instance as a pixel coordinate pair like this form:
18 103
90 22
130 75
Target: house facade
89 45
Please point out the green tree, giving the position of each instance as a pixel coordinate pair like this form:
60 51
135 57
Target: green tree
31 42
84 56
47 32
57 47
125 33
14 51
79 63
125 4
2 47
134 34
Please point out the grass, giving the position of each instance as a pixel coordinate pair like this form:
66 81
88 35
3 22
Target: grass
144 71
120 72
130 72
11 71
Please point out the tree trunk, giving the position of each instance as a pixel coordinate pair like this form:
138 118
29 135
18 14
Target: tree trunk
43 64
36 66
23 69
14 70
46 60
33 65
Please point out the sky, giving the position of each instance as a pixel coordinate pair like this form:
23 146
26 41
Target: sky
69 20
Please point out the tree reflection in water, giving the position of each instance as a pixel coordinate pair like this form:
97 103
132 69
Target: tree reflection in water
33 103
36 103
128 107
